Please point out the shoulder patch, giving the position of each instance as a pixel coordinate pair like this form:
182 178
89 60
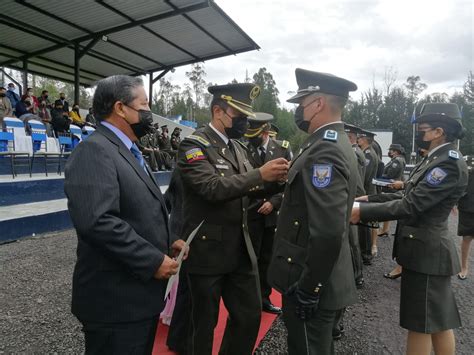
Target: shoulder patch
453 154
194 154
330 135
436 176
199 139
322 175
285 144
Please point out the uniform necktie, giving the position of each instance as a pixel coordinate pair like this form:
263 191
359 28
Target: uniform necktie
231 148
138 155
262 154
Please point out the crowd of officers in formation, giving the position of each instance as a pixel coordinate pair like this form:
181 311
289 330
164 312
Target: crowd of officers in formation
304 225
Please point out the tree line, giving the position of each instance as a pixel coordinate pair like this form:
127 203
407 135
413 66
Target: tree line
389 105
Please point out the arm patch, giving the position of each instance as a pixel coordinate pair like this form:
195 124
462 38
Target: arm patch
194 154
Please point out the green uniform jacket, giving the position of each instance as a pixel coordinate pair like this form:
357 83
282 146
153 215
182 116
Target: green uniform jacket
433 188
466 203
394 169
215 187
371 165
361 169
311 241
275 149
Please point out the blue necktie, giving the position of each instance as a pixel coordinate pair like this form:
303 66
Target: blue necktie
136 152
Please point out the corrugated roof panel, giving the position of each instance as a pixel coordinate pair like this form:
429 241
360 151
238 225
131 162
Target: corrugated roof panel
37 19
220 28
122 54
95 65
140 40
63 55
21 40
139 9
85 13
185 34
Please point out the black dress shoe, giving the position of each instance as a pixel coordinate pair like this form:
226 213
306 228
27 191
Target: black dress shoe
270 308
338 333
360 283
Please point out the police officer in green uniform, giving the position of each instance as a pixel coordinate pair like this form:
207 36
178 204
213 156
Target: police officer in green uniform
392 171
262 212
352 132
311 263
426 250
365 140
217 176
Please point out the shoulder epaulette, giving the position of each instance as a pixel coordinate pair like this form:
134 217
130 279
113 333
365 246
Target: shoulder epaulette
198 139
330 135
453 154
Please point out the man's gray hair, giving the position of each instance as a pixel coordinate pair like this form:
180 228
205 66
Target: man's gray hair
112 89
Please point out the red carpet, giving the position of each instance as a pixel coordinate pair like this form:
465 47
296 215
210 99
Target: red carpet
160 347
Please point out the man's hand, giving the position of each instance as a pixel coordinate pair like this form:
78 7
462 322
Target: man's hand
168 268
275 170
306 304
362 198
266 208
177 247
397 185
355 215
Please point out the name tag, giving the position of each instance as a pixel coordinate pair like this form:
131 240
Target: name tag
221 166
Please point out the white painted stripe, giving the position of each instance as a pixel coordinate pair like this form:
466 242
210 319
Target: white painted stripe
38 208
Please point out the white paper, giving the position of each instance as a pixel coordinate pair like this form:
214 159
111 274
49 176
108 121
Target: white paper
381 182
174 277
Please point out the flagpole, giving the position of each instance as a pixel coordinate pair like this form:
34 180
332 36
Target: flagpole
413 118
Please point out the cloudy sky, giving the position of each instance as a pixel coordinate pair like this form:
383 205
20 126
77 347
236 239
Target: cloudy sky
358 40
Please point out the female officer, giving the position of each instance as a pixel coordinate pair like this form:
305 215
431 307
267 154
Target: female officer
426 250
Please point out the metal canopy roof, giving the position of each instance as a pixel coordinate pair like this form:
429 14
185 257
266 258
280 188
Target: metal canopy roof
48 37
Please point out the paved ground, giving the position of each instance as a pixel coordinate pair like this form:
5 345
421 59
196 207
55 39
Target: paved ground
35 291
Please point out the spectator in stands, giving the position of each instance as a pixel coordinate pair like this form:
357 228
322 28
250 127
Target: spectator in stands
44 100
24 106
44 112
64 103
90 119
175 138
5 106
13 96
33 99
59 118
76 116
164 139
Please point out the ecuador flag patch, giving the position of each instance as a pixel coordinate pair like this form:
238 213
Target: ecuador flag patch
194 154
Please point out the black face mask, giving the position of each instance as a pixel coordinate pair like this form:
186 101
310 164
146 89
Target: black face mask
239 127
45 96
3 94
420 142
256 141
144 124
299 119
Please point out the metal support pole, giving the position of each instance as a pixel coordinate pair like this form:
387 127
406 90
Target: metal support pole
150 89
25 76
77 71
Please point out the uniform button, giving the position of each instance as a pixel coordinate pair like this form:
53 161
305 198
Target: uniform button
278 213
276 229
243 225
283 195
243 209
203 237
257 187
316 290
289 260
411 236
222 174
297 223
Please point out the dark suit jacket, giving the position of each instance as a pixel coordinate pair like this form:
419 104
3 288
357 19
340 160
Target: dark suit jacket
433 188
122 227
215 187
274 150
312 237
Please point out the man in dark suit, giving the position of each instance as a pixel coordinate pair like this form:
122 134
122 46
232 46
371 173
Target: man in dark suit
311 264
217 177
63 102
122 226
262 213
